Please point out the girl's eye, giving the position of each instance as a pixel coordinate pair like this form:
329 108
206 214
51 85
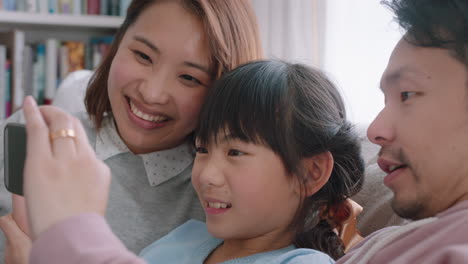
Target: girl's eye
142 56
190 80
406 95
201 150
235 152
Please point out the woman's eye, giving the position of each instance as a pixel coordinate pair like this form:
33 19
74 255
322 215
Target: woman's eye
235 152
142 56
190 80
406 95
201 150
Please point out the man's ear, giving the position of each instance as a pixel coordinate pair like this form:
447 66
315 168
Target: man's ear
318 171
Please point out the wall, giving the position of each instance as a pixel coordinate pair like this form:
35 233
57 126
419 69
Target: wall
359 38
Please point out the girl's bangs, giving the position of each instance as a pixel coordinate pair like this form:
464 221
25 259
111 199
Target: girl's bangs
245 104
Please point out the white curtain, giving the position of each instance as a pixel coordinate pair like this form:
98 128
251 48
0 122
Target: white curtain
360 36
290 29
351 40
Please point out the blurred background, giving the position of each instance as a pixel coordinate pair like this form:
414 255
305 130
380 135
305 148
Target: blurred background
351 40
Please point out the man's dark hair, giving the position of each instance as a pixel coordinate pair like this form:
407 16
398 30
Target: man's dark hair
434 23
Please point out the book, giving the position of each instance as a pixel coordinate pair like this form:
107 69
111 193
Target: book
65 6
76 55
39 74
8 89
77 8
114 7
43 6
84 7
53 6
63 62
9 5
98 48
51 70
96 56
104 5
14 40
123 7
93 7
31 6
21 5
3 83
28 70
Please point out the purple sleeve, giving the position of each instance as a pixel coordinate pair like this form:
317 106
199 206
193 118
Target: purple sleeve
85 238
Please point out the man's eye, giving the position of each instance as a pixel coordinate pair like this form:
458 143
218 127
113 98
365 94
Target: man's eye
201 150
406 95
235 152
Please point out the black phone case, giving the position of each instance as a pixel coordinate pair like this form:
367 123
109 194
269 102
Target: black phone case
14 157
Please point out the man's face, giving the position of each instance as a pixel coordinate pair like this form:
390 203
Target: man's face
423 130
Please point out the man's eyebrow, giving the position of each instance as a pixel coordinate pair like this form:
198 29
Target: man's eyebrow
147 43
401 73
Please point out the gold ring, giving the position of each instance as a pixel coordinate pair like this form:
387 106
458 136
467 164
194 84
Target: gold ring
62 133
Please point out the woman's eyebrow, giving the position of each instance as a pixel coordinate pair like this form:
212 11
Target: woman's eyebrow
147 43
202 68
154 48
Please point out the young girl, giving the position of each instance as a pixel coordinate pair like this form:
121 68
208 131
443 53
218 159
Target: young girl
275 156
143 104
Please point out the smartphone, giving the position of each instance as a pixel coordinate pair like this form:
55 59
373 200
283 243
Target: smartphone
15 155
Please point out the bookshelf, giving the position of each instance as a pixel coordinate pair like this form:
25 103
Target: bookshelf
95 23
45 48
61 26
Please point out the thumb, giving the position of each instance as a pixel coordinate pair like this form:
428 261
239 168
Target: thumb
19 213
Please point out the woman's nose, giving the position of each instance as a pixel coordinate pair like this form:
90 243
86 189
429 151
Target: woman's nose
156 90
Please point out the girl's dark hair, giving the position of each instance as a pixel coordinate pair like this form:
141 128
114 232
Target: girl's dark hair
434 23
232 33
298 113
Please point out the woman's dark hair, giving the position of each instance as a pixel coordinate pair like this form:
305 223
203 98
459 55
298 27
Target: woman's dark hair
434 23
232 33
298 113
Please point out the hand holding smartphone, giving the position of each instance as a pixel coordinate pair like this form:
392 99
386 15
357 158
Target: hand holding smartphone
15 155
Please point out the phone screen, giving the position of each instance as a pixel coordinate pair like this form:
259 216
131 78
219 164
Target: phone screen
15 155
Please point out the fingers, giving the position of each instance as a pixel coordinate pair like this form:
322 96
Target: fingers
61 131
18 244
353 207
10 228
53 131
81 139
37 130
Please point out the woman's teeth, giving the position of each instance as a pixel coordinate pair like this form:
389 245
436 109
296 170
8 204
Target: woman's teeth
147 117
217 205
